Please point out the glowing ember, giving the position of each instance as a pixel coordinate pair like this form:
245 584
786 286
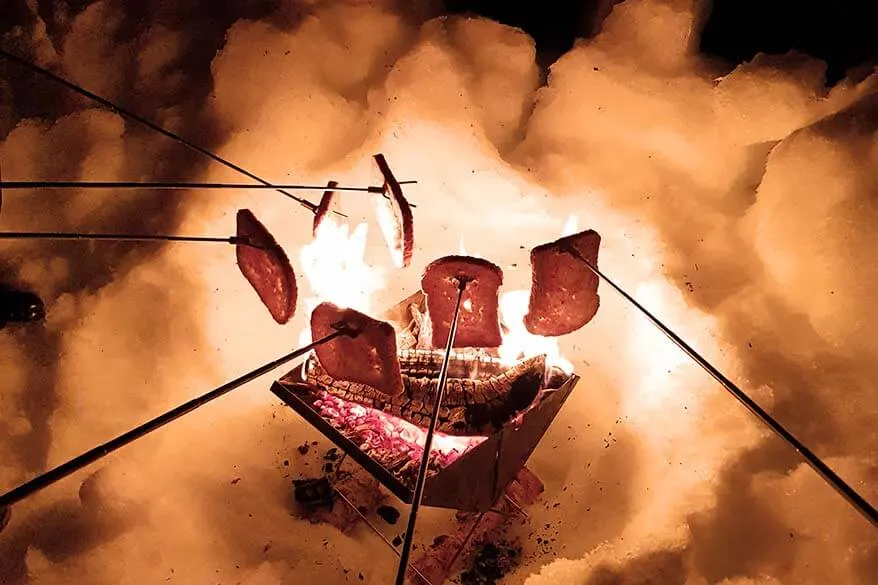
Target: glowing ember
394 443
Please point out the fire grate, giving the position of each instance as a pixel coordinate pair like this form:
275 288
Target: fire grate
477 478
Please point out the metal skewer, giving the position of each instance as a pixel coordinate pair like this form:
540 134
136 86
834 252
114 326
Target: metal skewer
53 475
235 240
174 185
428 442
828 475
179 185
149 124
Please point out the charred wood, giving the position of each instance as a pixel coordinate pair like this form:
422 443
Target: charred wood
471 407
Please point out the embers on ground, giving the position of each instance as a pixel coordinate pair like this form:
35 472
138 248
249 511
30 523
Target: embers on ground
388 513
316 492
492 561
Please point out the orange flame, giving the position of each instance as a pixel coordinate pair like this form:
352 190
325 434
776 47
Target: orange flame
571 226
518 342
334 267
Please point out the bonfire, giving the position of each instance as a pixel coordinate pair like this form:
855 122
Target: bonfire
461 369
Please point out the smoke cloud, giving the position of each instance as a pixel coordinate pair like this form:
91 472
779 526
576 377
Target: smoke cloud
736 202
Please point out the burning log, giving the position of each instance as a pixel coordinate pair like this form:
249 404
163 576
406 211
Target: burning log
473 405
473 365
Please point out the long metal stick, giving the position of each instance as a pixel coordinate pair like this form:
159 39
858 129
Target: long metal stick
428 442
175 185
832 478
53 475
380 534
119 237
450 566
149 124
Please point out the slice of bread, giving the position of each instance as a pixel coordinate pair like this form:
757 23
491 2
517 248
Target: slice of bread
564 291
479 322
368 358
266 267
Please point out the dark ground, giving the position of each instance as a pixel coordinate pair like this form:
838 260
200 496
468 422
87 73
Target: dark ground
842 32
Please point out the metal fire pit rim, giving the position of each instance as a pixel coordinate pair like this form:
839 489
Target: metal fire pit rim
291 387
499 450
285 390
560 394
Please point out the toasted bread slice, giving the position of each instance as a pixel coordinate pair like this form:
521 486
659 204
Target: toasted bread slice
368 358
479 322
325 205
394 217
266 266
564 291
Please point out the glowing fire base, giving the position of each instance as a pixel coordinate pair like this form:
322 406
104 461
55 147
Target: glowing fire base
471 478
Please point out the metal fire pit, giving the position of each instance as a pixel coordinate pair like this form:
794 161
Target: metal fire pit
473 482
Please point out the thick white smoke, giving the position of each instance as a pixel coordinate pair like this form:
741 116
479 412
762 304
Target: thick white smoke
737 205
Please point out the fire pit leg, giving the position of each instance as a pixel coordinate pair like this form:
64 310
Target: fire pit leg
465 541
422 578
518 509
338 465
378 532
438 562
